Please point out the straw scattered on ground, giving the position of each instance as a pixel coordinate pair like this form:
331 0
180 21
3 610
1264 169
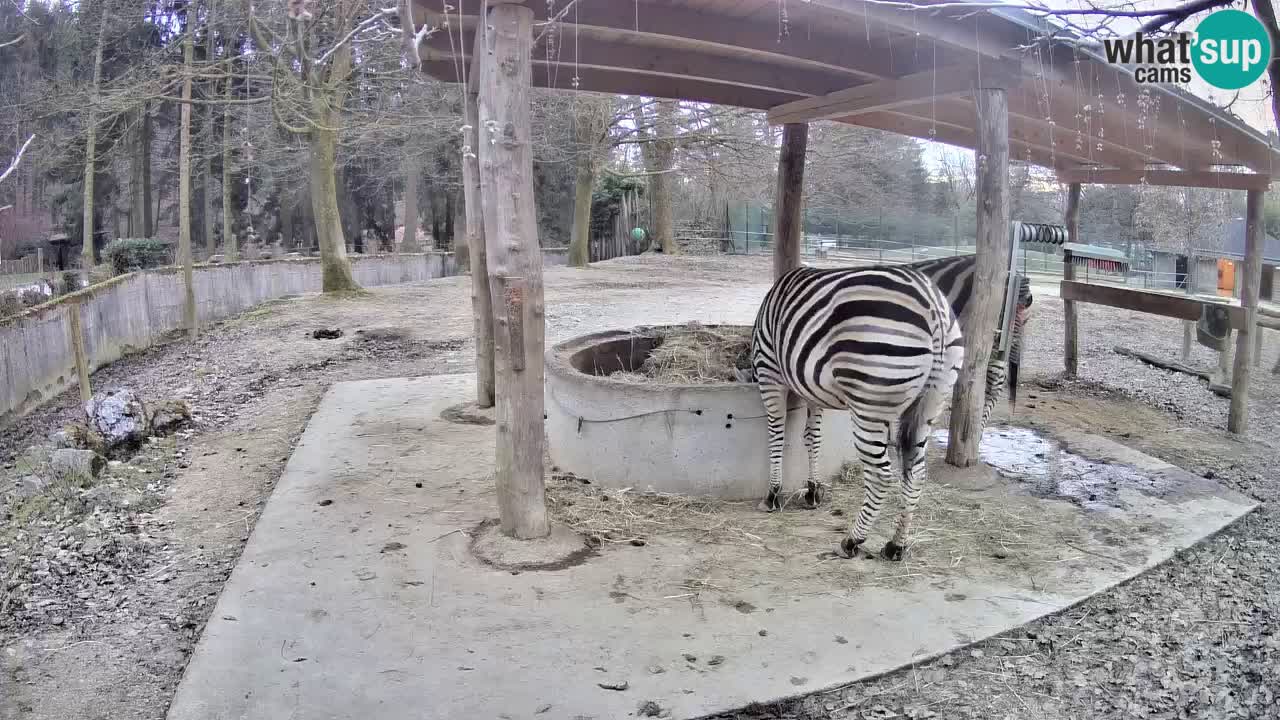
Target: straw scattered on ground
693 354
955 532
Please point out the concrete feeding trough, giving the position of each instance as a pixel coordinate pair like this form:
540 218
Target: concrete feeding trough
706 439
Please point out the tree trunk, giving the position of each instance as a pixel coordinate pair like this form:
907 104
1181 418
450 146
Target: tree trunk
992 247
230 247
91 149
580 236
515 270
662 184
184 187
434 203
448 220
137 203
148 215
336 274
411 224
211 86
287 209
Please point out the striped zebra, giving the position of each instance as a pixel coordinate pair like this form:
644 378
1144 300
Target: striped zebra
954 275
881 342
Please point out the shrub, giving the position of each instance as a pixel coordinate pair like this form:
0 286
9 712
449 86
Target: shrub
130 254
13 302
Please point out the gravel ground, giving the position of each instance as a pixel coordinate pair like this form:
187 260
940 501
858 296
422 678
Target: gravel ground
103 599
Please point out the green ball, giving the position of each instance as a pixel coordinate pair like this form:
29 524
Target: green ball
637 234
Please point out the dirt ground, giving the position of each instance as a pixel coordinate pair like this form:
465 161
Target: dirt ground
103 604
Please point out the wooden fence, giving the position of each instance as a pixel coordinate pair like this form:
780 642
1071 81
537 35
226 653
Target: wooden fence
29 265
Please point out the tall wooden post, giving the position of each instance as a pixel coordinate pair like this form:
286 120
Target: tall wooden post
1238 416
481 299
982 314
1071 329
514 265
788 228
75 332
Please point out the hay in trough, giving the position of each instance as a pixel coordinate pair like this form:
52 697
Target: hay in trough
693 354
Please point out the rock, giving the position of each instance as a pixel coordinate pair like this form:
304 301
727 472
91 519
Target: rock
31 485
215 259
120 418
327 333
169 415
70 464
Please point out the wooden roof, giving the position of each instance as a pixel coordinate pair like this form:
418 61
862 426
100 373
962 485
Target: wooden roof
905 71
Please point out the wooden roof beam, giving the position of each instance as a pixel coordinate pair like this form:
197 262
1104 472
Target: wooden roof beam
613 81
852 56
1167 178
594 52
891 93
962 136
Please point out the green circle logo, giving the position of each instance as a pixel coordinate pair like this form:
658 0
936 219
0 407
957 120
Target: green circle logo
1232 49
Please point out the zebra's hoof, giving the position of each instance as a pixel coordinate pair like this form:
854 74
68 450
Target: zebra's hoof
849 548
892 551
814 495
770 503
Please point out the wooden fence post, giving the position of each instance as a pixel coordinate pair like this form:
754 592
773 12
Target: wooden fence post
472 200
76 336
983 311
1071 328
514 265
1238 416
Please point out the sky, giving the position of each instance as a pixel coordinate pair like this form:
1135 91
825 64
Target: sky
1252 105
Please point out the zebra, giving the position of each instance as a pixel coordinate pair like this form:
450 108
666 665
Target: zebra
954 275
881 342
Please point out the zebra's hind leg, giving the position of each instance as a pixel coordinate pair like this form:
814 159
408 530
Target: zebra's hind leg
913 444
871 440
774 398
813 444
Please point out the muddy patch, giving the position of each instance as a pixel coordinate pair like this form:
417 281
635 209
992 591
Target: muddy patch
1049 469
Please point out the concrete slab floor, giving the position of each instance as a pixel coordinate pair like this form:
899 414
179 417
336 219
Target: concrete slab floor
358 595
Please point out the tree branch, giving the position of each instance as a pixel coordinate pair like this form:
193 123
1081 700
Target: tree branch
14 41
16 159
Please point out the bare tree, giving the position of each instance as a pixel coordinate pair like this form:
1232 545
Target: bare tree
184 182
90 146
17 159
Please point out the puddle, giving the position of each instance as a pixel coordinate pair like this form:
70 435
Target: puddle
1050 470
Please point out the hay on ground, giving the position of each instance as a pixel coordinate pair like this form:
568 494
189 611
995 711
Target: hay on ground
954 533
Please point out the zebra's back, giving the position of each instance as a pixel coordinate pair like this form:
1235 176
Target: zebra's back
866 339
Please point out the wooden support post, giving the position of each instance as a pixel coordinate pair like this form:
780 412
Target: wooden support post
481 298
982 314
1238 417
40 260
1071 327
1257 347
75 333
788 228
514 266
